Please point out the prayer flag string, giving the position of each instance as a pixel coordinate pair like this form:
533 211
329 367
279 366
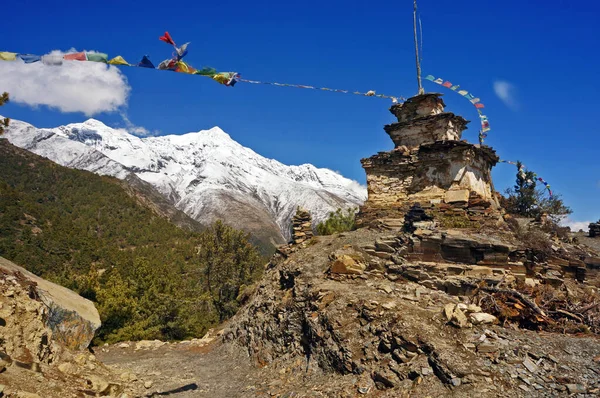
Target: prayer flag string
485 123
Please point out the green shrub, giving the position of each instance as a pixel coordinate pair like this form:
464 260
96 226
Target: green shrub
337 222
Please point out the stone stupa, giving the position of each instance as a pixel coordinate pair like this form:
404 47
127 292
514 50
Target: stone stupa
430 165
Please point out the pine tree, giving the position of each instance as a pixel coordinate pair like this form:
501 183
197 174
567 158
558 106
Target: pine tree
527 200
525 190
4 122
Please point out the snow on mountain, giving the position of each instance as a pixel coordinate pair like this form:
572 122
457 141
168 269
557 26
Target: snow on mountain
206 174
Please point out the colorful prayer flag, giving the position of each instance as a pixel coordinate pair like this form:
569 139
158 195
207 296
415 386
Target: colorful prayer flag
454 87
463 92
475 100
447 84
97 57
118 60
52 60
206 72
479 105
430 78
438 81
6 56
469 96
75 57
30 58
167 39
145 63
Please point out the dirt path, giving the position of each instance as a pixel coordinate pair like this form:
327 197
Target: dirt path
181 371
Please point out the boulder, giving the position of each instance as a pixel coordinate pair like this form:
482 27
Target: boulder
461 195
72 319
345 264
482 318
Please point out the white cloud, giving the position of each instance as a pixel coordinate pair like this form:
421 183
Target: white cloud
575 225
137 130
87 87
507 92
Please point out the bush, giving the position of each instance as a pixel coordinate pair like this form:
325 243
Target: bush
338 222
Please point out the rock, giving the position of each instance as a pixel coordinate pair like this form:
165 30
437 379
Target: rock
25 394
576 389
449 310
98 384
123 345
455 196
384 380
426 371
345 264
68 368
149 344
486 348
423 232
389 306
72 319
386 288
301 227
530 282
592 262
455 381
3 365
148 384
81 359
383 255
482 318
128 376
530 365
384 247
473 308
455 315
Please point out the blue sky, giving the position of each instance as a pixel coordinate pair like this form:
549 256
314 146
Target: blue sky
547 51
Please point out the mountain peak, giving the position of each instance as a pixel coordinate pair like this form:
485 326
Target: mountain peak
206 174
93 123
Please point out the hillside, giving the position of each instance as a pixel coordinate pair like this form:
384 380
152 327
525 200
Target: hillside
206 174
149 278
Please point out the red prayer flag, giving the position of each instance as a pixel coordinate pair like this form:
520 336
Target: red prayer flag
447 84
479 105
167 39
75 57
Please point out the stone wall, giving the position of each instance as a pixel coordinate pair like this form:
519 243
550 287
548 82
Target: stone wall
427 129
444 172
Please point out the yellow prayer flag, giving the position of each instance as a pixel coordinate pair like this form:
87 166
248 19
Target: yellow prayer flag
182 67
118 60
6 56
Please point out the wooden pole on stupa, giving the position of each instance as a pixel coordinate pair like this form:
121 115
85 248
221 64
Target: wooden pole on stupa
421 90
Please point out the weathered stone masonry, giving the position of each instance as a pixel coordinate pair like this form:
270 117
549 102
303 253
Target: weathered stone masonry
429 164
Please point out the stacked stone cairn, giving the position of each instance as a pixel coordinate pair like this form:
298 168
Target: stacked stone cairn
432 166
301 227
595 229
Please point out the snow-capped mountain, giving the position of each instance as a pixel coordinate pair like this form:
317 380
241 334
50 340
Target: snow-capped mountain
206 174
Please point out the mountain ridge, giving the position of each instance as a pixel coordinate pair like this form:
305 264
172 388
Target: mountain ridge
206 174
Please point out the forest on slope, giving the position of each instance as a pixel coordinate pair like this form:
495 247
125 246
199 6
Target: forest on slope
148 278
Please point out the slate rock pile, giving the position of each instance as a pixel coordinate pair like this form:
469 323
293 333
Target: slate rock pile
301 226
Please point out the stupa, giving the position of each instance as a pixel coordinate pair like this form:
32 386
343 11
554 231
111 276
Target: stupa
430 165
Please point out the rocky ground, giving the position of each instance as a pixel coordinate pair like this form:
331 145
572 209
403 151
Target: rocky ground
359 314
334 320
